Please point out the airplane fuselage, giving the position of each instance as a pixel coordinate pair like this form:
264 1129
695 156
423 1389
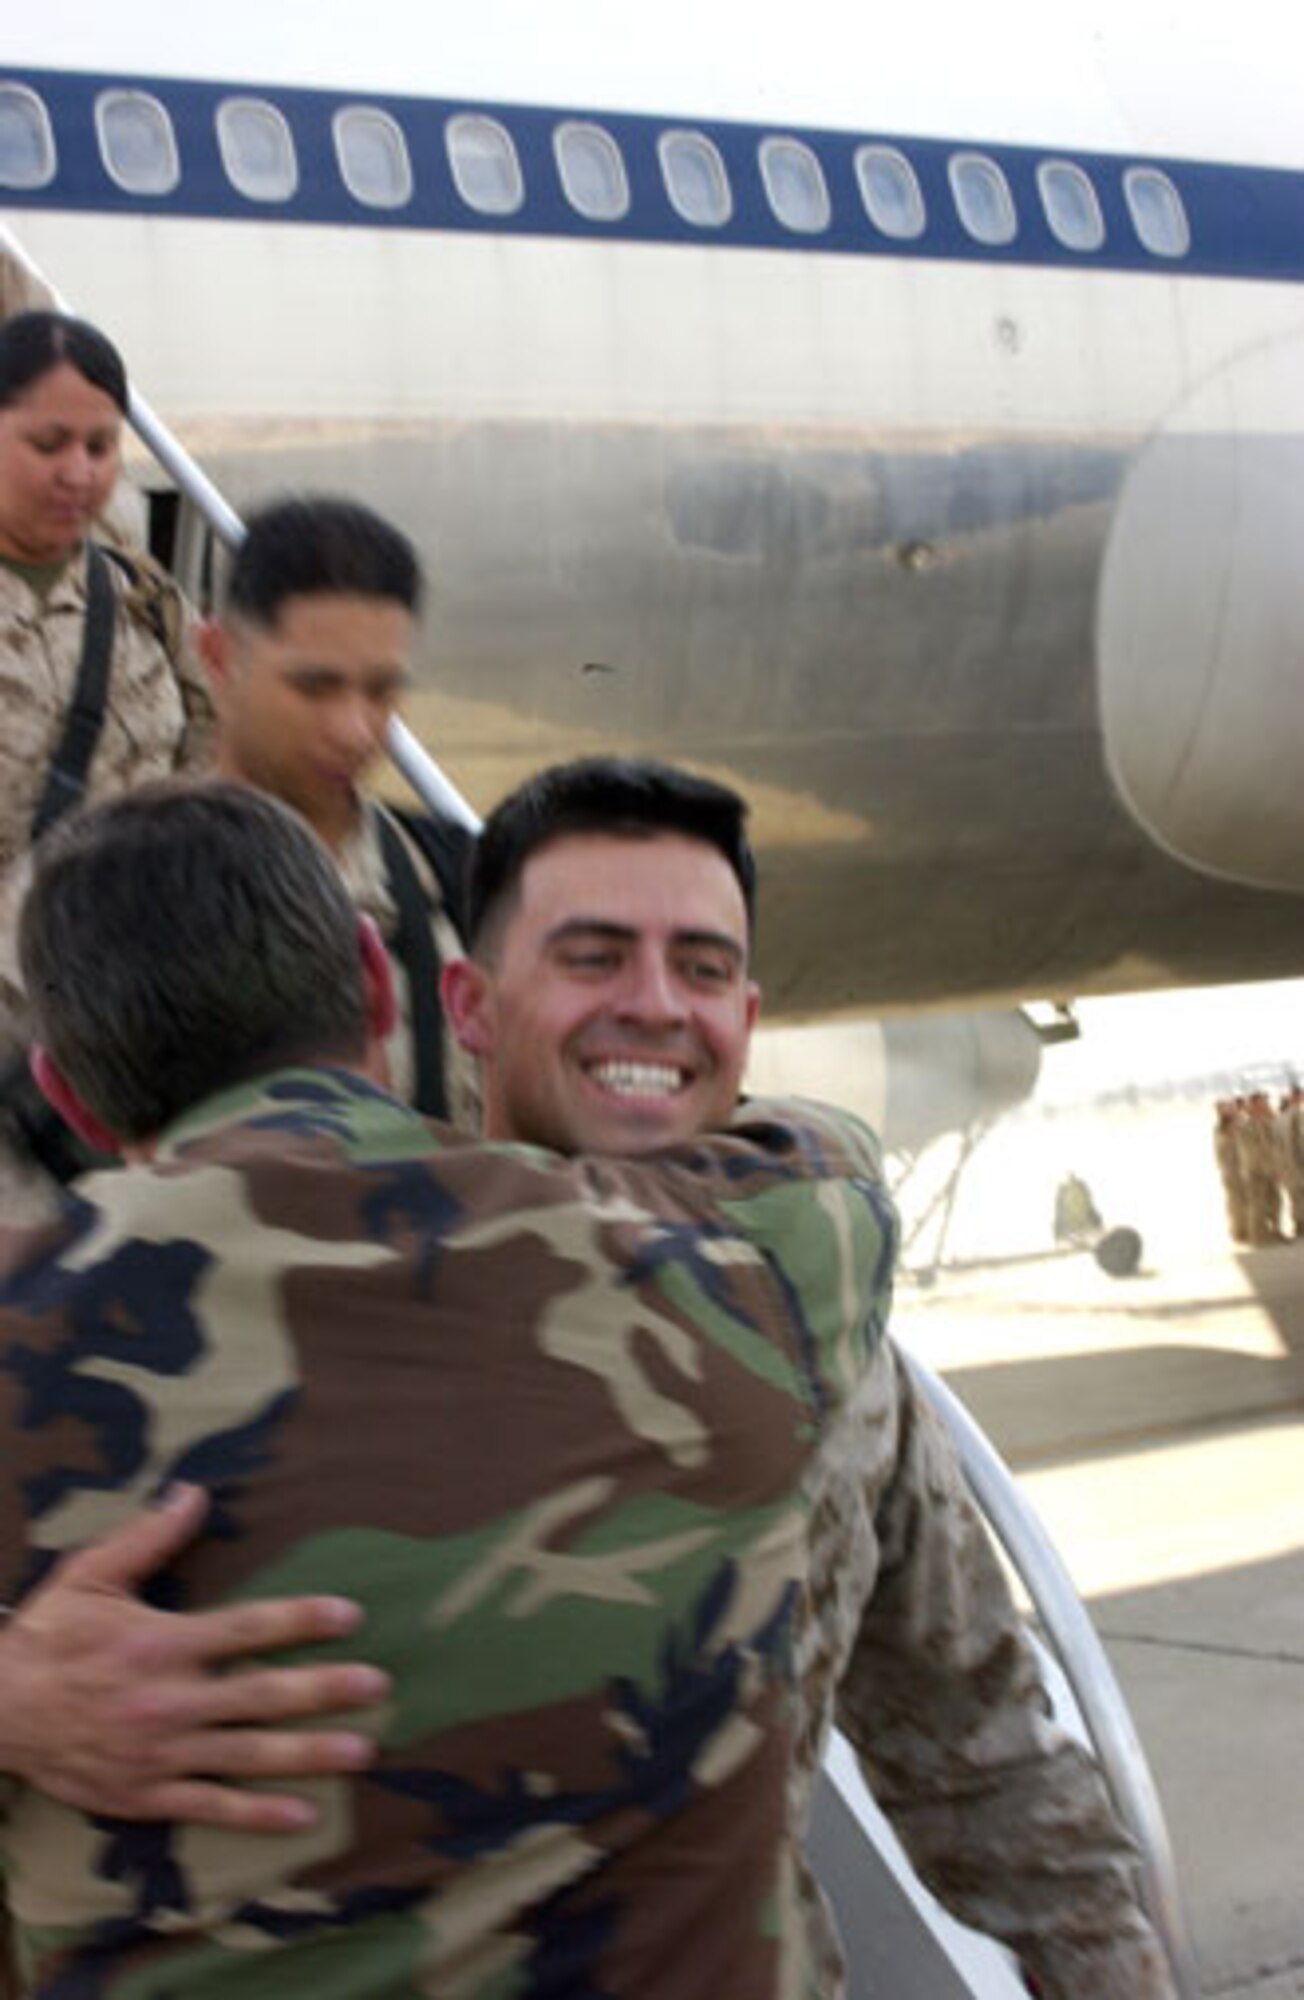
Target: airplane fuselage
970 557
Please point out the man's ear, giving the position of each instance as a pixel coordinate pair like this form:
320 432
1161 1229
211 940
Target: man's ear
215 652
467 993
377 982
61 1097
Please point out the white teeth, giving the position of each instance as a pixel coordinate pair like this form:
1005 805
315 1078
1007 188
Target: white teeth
638 1079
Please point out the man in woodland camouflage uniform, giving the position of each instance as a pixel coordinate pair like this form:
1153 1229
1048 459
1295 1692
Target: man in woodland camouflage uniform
548 1420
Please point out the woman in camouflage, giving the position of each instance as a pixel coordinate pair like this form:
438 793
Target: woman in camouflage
63 396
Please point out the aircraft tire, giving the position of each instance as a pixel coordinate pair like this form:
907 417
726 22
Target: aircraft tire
1118 1252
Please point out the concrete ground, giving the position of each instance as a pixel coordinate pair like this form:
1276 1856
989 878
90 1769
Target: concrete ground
1157 1424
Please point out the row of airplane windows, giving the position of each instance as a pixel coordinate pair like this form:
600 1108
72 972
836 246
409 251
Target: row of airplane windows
139 152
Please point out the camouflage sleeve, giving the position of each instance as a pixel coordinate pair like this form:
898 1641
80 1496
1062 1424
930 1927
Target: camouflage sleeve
1005 1817
803 1183
836 1143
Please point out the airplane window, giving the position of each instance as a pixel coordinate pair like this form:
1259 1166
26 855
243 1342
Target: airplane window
257 150
592 172
695 179
373 156
890 191
1072 209
137 143
1157 212
982 198
794 182
485 166
27 156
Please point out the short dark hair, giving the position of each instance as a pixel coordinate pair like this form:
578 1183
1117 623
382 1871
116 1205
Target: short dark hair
184 937
34 343
633 797
311 544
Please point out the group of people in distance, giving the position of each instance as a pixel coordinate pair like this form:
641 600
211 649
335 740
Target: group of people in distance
455 1465
1259 1148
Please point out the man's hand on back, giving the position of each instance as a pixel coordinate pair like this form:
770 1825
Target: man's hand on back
119 1709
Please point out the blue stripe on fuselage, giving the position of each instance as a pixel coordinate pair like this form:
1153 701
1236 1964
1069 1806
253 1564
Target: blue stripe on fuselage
1245 222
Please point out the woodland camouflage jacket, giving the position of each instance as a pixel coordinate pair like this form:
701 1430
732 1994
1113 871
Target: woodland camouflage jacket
550 1422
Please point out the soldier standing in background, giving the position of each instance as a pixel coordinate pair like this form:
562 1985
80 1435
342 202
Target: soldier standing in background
1290 1135
1259 1151
1227 1152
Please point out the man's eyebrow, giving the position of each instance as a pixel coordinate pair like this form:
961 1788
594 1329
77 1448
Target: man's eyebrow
309 670
599 927
617 933
713 941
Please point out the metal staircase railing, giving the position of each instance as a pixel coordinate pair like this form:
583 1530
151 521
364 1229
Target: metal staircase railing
1074 1642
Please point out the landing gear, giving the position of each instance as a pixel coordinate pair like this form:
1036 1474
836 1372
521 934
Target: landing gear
1078 1225
1118 1252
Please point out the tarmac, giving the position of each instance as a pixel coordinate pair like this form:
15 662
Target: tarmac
1157 1425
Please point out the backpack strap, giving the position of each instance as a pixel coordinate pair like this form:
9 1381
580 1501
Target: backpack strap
414 946
446 846
152 597
65 782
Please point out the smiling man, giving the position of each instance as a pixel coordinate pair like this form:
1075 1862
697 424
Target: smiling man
609 999
609 1003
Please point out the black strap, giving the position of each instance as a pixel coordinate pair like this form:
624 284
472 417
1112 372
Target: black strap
65 782
413 944
445 846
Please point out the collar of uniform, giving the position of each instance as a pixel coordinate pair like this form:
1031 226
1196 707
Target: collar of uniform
810 1124
334 1101
362 867
63 588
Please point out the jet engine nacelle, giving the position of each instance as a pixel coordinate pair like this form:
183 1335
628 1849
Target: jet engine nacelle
913 1079
1200 628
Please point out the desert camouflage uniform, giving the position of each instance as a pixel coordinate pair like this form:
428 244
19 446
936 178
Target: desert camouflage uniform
1262 1170
362 867
158 719
550 1422
1290 1141
912 1640
1227 1153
